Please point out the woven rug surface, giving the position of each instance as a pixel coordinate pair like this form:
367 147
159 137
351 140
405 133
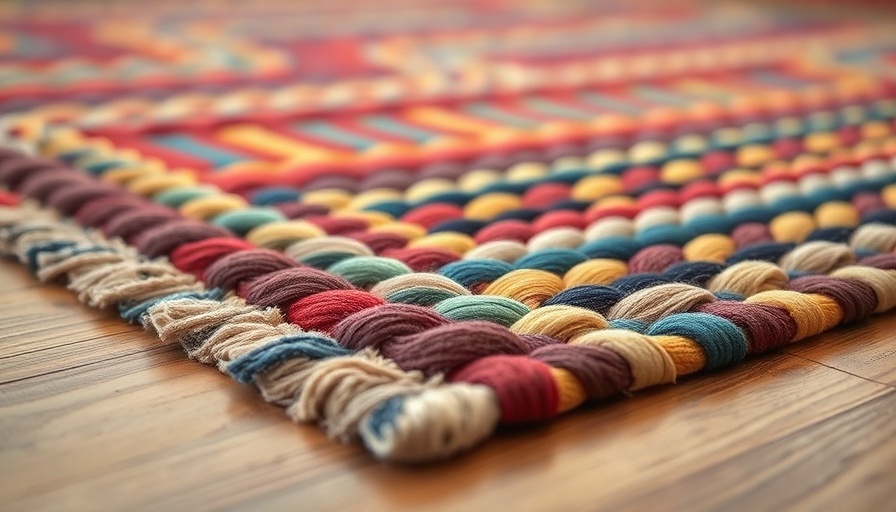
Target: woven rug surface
415 222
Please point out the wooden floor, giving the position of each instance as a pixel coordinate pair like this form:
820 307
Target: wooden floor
97 415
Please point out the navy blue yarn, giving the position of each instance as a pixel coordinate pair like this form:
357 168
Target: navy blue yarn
556 261
696 273
613 247
634 282
594 297
526 214
454 197
723 342
883 216
838 235
33 252
769 251
470 272
305 345
571 204
465 226
134 312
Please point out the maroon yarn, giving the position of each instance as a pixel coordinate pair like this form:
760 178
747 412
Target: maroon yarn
100 210
164 238
389 178
766 326
601 371
525 387
333 181
885 261
868 202
856 298
39 186
535 341
322 311
69 199
17 168
423 259
338 226
133 222
195 257
300 210
287 285
231 270
447 347
655 259
380 242
751 233
378 326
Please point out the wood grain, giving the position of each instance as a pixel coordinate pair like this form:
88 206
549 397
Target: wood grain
97 415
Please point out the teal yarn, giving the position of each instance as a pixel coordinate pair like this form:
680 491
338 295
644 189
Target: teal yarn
613 247
555 261
469 273
366 271
420 296
499 310
243 221
175 197
671 234
629 325
324 260
723 343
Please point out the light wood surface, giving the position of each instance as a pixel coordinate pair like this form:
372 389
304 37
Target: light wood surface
97 415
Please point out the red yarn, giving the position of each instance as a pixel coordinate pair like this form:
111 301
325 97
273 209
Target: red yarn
423 259
505 230
195 257
698 189
559 218
717 161
322 311
525 388
8 199
430 215
658 198
546 195
598 212
636 177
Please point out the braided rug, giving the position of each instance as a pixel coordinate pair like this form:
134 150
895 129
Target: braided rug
414 222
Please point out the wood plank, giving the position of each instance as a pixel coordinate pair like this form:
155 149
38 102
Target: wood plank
120 422
867 350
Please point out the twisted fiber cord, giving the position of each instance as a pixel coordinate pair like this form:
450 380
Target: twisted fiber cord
670 340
